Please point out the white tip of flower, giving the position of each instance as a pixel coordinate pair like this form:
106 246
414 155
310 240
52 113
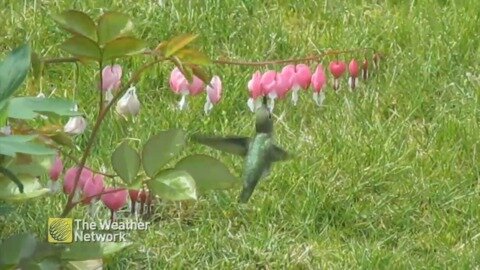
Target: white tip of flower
129 104
108 96
271 105
352 82
208 107
75 125
182 105
319 98
295 96
54 186
41 95
251 104
336 84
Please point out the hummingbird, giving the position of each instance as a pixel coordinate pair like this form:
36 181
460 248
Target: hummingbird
259 152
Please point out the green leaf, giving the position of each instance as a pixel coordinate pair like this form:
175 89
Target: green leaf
208 172
10 145
201 73
29 165
112 25
13 71
177 43
109 248
80 251
30 107
82 265
186 71
160 148
173 185
126 162
82 47
10 175
62 138
193 57
4 111
31 188
77 23
15 248
123 46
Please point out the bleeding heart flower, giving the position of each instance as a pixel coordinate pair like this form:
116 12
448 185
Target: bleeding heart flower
180 85
297 77
56 169
274 85
111 77
76 124
255 90
318 82
133 193
115 199
92 188
69 179
128 103
214 92
54 174
365 69
353 69
337 68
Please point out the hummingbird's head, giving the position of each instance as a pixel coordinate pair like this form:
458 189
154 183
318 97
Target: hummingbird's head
263 123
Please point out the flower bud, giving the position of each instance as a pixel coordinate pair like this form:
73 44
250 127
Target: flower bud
115 199
129 104
75 125
111 77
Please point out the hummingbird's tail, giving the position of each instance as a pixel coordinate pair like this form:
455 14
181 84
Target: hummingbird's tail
247 192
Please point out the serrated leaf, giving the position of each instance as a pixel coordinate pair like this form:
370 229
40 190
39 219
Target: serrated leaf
123 46
126 162
201 74
179 42
31 188
113 25
160 148
173 185
193 57
208 172
15 248
10 145
13 70
82 47
77 23
30 107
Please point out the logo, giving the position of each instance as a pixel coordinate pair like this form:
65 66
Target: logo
60 230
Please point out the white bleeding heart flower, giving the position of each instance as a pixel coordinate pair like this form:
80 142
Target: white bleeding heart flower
129 103
76 124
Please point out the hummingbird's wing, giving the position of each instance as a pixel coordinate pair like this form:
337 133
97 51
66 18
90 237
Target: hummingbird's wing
278 154
233 144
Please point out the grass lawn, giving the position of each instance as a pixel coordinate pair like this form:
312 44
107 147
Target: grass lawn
385 177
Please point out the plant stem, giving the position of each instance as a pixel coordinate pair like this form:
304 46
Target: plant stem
101 116
100 105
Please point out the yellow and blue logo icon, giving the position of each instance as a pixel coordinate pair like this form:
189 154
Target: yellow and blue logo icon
60 230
